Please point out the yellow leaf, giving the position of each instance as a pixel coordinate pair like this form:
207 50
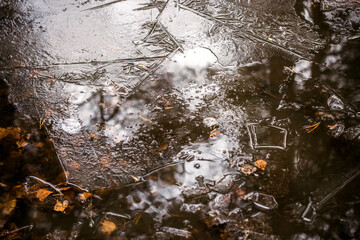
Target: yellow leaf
261 164
42 194
61 206
108 227
9 207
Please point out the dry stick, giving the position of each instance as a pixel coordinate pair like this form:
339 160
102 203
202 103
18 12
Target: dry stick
47 183
7 233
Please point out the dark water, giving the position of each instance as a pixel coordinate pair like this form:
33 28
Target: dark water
151 119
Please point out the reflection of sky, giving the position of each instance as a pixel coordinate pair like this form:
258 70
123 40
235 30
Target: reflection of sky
303 73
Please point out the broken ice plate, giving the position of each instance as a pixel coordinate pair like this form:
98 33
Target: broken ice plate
267 136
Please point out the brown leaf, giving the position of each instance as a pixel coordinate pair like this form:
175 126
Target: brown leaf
107 227
163 147
8 207
61 206
42 194
75 165
261 164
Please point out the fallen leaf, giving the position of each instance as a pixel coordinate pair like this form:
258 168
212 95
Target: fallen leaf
61 206
75 165
248 169
8 207
42 194
85 195
13 132
93 136
261 164
163 147
107 227
65 188
21 143
104 162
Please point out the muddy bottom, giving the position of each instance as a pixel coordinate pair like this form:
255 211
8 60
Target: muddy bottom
179 119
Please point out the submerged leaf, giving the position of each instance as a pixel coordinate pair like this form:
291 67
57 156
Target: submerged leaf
42 194
85 195
107 227
9 207
13 132
61 206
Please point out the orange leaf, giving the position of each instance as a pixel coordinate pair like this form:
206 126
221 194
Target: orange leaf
260 164
42 194
108 227
21 143
8 207
85 195
61 206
